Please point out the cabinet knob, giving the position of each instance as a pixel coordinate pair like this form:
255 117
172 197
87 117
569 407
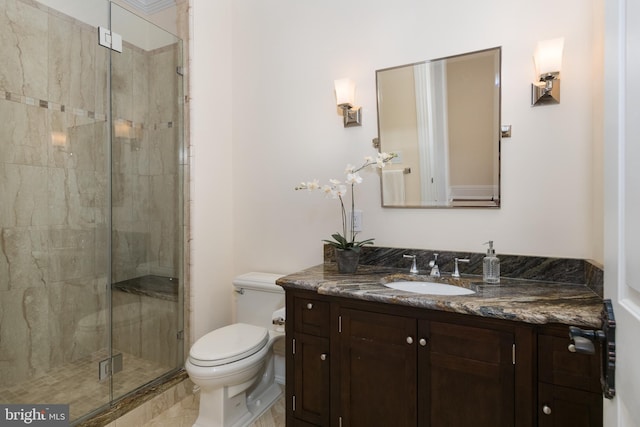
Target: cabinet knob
309 306
423 342
323 356
409 340
546 409
571 348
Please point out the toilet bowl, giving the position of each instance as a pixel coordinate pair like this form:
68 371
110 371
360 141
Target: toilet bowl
235 366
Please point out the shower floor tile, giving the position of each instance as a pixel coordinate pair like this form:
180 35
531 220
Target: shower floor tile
77 384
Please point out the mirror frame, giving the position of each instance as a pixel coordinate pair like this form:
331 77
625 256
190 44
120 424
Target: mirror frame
378 143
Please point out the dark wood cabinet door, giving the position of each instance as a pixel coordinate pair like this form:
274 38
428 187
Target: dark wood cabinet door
562 406
467 377
560 366
378 381
311 389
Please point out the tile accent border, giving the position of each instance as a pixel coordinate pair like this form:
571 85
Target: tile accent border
54 106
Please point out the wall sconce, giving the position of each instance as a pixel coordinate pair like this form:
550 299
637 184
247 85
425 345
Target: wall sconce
123 129
58 139
345 98
548 63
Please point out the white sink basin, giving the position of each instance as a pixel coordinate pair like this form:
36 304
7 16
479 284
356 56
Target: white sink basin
431 288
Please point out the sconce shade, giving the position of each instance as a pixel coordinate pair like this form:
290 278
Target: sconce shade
548 56
345 92
346 98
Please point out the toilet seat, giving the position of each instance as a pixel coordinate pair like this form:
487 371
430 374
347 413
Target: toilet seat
228 344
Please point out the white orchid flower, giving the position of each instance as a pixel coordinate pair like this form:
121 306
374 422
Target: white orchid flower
354 178
334 181
341 190
368 159
349 168
327 190
313 185
383 158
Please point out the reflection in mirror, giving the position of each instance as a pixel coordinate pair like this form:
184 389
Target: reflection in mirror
442 118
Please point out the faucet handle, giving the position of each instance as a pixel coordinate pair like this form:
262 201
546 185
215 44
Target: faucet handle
435 271
434 261
414 268
456 271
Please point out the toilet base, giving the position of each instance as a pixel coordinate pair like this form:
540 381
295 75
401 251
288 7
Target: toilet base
264 401
238 411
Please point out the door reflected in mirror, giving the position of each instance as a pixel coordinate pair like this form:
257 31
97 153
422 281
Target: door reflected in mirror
442 118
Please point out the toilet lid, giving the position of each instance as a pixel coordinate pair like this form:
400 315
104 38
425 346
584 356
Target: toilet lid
228 344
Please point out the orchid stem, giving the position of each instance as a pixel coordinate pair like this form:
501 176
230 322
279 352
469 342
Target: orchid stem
344 218
353 219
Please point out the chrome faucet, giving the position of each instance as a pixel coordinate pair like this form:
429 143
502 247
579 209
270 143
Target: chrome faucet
414 268
435 271
456 271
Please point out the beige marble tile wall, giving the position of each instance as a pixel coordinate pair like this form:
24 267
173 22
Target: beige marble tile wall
146 234
165 170
146 327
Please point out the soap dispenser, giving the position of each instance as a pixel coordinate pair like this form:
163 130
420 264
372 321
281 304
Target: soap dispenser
491 265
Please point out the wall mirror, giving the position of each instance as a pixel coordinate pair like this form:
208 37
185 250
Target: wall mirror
442 118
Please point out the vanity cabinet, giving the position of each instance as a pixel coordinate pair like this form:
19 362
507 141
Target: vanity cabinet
371 364
569 391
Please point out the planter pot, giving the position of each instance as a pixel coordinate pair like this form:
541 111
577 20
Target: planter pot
347 260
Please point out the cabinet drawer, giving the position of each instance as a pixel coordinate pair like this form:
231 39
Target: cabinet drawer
557 365
467 342
312 316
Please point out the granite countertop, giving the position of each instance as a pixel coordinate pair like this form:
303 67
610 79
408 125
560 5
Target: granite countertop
529 301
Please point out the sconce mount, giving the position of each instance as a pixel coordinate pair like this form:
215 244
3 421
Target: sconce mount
547 90
352 116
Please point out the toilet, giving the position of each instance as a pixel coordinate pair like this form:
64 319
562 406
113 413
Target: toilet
239 368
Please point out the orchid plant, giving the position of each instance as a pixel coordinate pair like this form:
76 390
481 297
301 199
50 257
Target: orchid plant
338 190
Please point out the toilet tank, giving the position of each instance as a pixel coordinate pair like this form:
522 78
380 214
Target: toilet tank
257 297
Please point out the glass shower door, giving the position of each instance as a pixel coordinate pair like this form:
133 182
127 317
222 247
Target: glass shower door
146 199
91 225
54 207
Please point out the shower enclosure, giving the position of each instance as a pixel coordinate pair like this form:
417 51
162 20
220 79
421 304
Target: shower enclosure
91 208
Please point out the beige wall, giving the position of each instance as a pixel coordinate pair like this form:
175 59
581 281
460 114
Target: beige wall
265 119
212 243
